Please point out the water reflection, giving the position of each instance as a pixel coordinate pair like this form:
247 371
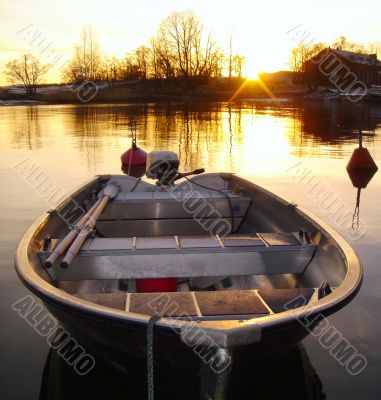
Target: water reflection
27 130
258 141
237 134
291 375
361 168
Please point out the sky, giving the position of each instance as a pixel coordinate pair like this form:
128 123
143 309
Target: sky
263 31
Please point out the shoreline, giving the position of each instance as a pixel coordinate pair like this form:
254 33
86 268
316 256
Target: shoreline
166 92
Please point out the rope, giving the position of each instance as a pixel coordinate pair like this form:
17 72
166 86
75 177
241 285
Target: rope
150 380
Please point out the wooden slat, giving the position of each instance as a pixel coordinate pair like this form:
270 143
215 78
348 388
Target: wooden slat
277 298
112 300
200 241
242 241
230 302
279 239
165 304
204 303
156 242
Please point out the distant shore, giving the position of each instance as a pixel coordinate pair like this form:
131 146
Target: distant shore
164 91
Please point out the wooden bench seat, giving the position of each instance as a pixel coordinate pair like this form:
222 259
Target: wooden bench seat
204 305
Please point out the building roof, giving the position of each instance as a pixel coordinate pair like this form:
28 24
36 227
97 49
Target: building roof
358 58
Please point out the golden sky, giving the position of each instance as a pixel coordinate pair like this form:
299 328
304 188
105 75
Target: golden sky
263 31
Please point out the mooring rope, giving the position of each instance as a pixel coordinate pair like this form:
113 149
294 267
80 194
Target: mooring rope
150 378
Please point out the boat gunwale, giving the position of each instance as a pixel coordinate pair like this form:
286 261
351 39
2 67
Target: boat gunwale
51 294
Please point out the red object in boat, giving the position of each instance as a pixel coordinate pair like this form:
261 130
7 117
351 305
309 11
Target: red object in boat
151 285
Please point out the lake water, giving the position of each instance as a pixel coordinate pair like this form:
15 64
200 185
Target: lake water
266 143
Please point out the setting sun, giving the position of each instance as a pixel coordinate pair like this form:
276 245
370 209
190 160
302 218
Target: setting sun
120 29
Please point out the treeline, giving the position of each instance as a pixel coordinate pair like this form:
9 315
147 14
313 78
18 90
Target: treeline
304 51
180 49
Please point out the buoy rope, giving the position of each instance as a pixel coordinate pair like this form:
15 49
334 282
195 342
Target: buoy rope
150 377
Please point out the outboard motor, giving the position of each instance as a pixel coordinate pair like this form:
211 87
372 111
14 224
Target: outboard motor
162 165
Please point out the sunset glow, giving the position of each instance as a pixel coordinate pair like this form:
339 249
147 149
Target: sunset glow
264 33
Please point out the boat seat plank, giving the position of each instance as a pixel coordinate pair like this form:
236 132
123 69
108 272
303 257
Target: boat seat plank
108 244
112 300
242 241
200 241
230 302
156 242
171 304
279 239
276 299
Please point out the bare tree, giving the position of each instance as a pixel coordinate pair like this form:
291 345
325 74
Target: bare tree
142 59
342 43
238 62
217 63
301 53
128 68
375 48
234 61
85 64
106 70
27 71
181 49
230 65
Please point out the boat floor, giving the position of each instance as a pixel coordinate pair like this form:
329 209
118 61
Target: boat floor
204 305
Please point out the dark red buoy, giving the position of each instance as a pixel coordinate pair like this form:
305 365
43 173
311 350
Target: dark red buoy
361 160
361 178
361 169
134 159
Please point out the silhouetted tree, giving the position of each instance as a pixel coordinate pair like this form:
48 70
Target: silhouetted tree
217 63
230 59
301 53
234 61
181 48
85 64
142 59
238 62
342 43
26 71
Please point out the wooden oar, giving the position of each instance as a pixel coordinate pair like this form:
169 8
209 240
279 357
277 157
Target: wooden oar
68 239
109 192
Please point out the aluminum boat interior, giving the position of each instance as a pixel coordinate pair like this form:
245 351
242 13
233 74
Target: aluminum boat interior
231 249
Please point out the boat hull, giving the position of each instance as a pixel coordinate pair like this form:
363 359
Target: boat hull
117 337
118 344
121 346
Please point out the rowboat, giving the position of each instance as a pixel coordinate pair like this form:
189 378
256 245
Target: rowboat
199 273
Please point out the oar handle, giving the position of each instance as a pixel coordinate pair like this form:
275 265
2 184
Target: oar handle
68 239
85 232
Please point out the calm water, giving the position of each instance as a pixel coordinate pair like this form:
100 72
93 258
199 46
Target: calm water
263 143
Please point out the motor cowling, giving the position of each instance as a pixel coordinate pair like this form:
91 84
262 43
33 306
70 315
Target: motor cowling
162 165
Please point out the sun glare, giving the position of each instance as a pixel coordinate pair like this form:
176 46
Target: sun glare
253 75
